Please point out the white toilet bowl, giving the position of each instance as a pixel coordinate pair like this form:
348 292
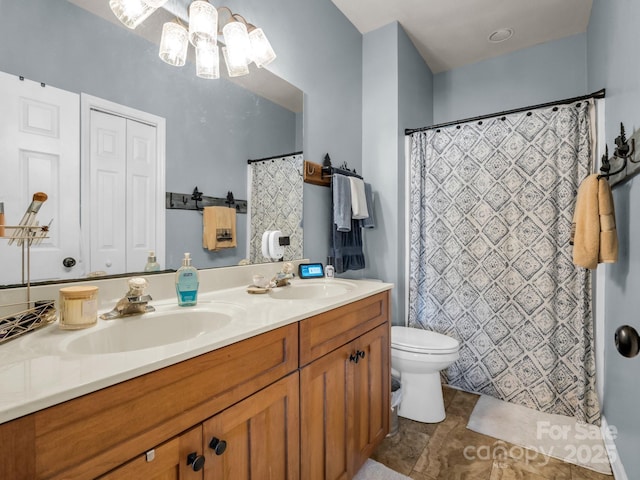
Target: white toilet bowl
419 355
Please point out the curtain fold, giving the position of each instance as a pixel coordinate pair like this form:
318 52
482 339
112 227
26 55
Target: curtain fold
491 205
276 204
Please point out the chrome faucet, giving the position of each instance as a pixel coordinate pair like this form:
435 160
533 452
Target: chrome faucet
135 302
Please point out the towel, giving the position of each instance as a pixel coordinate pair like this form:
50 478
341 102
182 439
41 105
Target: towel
593 231
341 188
358 199
369 221
218 228
346 249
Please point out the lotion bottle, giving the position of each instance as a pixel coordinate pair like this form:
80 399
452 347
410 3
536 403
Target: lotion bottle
152 264
187 282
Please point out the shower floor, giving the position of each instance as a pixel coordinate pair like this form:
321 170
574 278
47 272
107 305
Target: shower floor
448 450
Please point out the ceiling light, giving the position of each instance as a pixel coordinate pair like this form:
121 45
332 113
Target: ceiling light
173 44
243 42
238 48
261 49
203 23
133 12
207 60
501 35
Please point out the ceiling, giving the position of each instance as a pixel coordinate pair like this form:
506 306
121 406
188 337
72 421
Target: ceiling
452 33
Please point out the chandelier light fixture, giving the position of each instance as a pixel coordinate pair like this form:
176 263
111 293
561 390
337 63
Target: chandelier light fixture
243 42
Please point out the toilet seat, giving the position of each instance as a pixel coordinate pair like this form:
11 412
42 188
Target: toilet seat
416 340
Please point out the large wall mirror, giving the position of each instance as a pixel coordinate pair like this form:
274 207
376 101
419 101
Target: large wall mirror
212 126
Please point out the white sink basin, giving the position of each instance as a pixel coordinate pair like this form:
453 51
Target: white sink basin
150 330
312 290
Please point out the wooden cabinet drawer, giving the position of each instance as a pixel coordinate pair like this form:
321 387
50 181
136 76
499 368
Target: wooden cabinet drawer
90 435
323 333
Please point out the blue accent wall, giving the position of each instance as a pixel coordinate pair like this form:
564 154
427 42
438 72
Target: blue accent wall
539 74
397 94
612 39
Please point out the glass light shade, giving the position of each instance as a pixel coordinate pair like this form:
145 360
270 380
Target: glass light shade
203 23
174 44
207 60
238 48
133 12
234 70
261 49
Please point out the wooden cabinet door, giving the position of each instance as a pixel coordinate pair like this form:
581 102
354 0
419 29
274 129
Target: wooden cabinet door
258 438
371 393
169 461
325 409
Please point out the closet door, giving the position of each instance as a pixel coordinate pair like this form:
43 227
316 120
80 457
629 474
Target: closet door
108 167
40 151
141 194
123 193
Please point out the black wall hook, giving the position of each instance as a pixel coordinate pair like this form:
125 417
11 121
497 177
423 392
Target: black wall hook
624 150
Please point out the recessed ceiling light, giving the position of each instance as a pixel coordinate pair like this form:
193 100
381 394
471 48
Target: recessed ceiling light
501 35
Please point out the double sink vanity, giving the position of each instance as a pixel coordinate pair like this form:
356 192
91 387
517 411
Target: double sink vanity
291 384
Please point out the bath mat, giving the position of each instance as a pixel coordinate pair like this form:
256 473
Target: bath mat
373 470
552 435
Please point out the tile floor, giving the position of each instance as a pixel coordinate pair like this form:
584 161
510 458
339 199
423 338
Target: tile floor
445 451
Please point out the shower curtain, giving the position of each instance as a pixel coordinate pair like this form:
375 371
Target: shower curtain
491 205
276 204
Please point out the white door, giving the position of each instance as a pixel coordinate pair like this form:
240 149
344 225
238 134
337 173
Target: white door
123 193
40 152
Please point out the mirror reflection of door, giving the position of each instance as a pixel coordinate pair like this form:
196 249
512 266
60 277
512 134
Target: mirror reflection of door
126 177
39 152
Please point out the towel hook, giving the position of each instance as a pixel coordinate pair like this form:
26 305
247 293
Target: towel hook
623 151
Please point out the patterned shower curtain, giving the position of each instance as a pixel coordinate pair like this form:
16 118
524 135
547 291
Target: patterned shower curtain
491 205
276 204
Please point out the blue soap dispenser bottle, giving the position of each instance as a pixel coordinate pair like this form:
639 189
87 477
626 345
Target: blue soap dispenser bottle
187 282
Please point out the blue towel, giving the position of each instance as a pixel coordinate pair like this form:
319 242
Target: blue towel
368 222
346 248
341 187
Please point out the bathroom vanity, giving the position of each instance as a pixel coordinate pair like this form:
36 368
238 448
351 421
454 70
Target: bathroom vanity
297 388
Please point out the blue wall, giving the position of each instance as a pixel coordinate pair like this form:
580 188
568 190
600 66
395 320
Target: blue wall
397 93
612 38
543 73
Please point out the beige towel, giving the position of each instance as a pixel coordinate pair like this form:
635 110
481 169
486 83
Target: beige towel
593 232
218 228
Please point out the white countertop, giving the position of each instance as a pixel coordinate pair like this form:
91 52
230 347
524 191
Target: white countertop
37 370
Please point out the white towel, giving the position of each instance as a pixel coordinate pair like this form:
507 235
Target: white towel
358 199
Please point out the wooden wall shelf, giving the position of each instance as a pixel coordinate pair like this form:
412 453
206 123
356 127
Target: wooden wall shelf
313 174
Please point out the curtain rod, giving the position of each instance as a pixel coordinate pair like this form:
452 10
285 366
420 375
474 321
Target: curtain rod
274 157
598 94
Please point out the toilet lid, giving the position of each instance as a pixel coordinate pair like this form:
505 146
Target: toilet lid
418 340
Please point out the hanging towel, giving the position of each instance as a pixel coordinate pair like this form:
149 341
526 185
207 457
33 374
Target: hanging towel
219 228
369 221
346 248
358 199
341 188
593 231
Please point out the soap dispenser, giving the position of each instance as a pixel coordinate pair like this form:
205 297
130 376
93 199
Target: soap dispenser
187 282
152 264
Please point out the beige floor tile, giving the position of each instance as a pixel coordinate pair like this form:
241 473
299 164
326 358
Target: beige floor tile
580 473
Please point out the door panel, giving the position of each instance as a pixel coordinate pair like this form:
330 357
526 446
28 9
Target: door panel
261 435
39 148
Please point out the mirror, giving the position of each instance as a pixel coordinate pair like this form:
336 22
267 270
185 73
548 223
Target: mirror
212 126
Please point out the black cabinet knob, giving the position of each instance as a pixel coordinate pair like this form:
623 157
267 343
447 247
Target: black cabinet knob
360 353
354 357
195 461
69 262
217 445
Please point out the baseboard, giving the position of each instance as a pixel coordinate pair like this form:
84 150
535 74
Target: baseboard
616 464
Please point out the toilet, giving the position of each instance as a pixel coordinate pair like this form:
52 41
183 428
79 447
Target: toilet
419 356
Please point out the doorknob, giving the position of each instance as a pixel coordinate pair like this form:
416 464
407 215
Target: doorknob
195 461
69 262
